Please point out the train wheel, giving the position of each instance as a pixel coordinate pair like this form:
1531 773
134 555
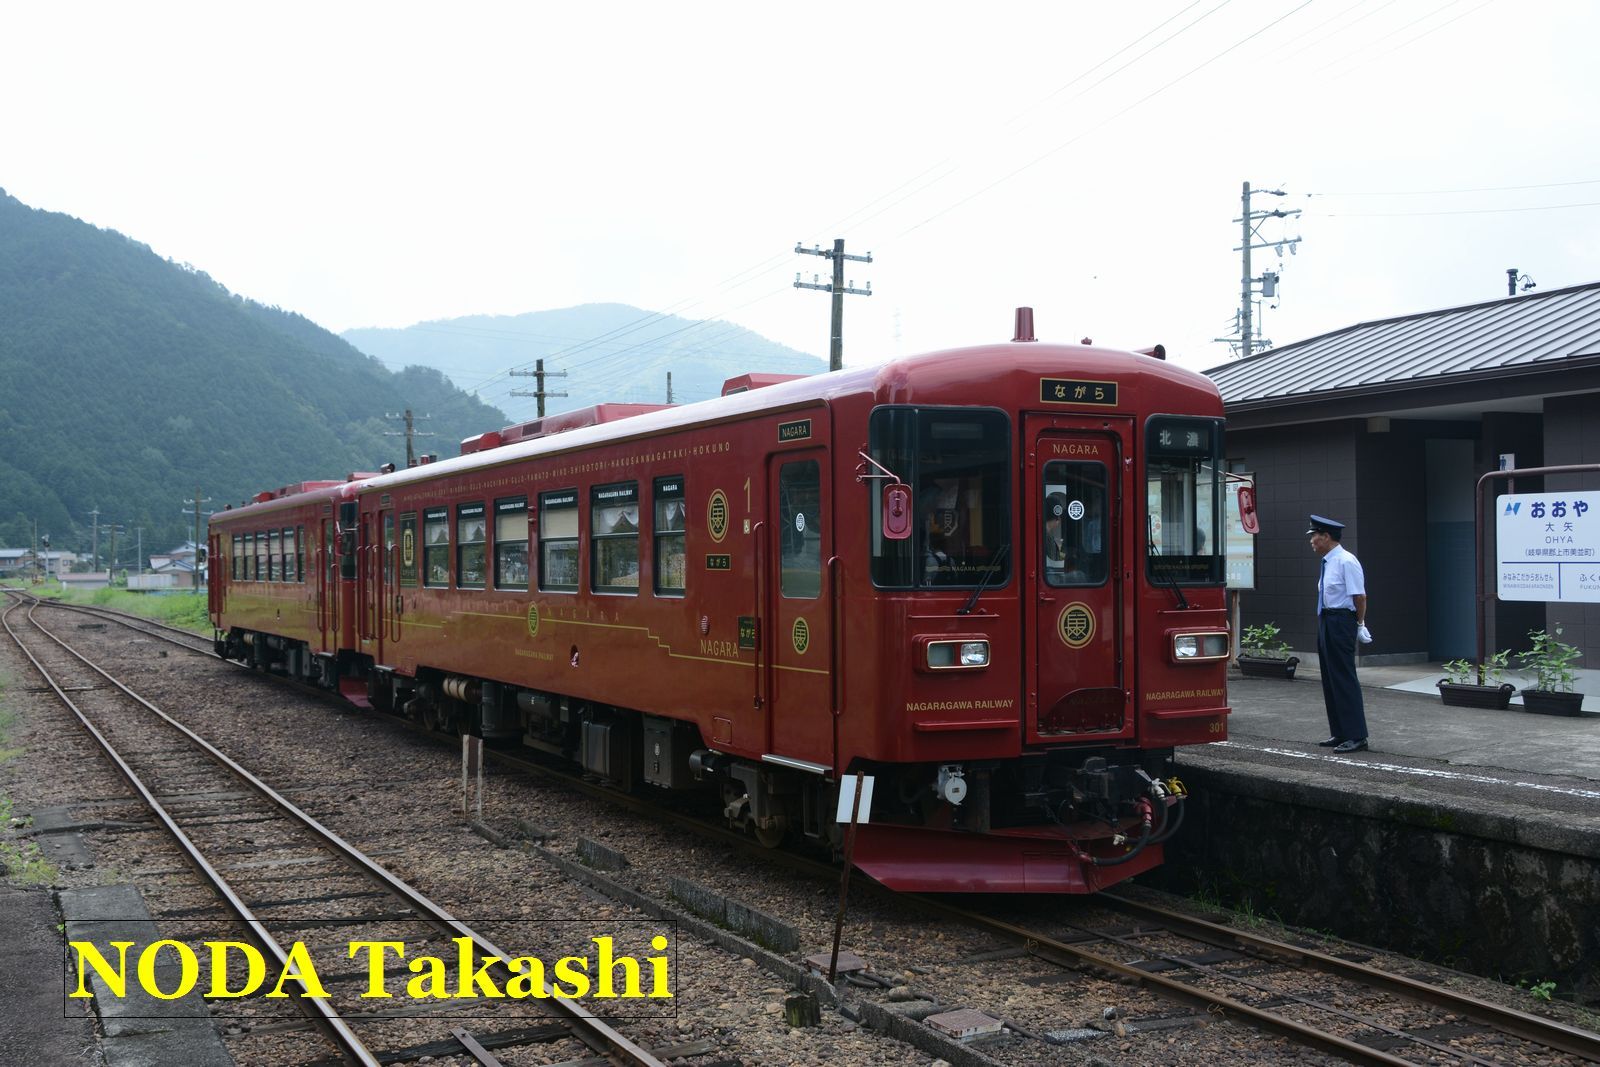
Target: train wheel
770 836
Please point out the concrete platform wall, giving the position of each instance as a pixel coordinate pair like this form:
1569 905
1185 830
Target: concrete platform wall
1499 896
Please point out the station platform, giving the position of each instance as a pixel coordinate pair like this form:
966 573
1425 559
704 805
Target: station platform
1498 761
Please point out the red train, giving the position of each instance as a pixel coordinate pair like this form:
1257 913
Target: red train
990 578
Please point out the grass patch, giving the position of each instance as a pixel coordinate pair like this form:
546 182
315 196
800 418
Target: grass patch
183 609
23 864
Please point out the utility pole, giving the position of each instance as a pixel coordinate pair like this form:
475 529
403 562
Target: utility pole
410 432
111 567
838 289
669 387
1250 223
95 549
539 374
198 500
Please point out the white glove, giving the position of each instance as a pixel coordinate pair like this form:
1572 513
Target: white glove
1363 634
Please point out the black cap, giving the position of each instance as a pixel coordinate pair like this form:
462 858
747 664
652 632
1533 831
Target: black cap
1323 524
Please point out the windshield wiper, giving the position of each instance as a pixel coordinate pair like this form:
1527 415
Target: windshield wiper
994 565
1166 579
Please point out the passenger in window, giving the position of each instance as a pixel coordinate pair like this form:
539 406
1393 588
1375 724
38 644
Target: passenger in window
1055 547
936 567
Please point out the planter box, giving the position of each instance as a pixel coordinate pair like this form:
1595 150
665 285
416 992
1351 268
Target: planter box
1266 667
1466 695
1550 702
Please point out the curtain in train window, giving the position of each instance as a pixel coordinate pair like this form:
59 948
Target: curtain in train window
408 549
511 543
558 541
436 547
472 537
614 537
671 521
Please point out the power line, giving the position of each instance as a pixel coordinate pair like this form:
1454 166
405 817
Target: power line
1420 214
1451 192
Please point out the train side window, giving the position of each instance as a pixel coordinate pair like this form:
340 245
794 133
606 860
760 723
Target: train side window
436 547
800 529
671 521
1076 538
472 535
300 553
262 569
614 538
408 549
288 554
234 564
274 555
558 541
511 543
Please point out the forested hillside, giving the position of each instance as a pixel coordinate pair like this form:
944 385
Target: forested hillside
127 382
611 352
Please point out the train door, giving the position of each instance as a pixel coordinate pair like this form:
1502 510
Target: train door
217 576
327 565
798 623
367 594
1074 497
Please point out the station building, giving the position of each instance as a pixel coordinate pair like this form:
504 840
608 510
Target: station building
1387 426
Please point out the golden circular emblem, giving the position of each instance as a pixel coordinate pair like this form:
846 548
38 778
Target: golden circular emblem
1076 624
801 635
408 547
717 515
533 620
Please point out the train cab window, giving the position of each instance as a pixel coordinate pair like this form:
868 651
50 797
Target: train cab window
614 538
472 535
1183 499
408 549
511 543
671 520
957 461
436 547
299 553
1076 538
800 529
558 541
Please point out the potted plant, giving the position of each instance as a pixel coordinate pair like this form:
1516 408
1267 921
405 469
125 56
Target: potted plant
1471 685
1551 662
1262 654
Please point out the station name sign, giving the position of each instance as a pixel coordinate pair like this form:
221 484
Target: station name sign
1548 547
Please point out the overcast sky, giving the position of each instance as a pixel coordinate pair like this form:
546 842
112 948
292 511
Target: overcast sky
387 164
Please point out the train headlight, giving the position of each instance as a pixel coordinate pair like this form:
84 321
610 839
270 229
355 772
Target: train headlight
957 655
1200 647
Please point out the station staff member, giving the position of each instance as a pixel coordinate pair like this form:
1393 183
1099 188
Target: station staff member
1341 613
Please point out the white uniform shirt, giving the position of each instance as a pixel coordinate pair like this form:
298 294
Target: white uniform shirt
1342 579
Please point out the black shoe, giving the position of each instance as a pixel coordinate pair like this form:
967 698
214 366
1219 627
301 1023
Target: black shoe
1351 746
1330 742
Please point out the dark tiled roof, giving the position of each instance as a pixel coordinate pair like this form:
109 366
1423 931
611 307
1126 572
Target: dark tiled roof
1477 340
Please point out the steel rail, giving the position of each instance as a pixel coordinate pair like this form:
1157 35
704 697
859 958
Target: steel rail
128 619
1549 1032
588 1027
327 1019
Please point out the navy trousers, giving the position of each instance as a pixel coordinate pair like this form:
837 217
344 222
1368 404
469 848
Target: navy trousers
1336 648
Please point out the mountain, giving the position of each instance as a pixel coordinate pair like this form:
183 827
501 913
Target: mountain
130 381
610 352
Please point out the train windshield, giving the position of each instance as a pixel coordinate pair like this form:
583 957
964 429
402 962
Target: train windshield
957 461
1183 497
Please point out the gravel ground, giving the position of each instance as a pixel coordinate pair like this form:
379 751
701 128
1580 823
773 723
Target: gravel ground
396 795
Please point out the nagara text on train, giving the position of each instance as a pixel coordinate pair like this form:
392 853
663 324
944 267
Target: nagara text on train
989 578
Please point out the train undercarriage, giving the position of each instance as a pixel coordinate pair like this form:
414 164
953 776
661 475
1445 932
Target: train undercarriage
1085 807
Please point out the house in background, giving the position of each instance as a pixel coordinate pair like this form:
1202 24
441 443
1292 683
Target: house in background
1387 426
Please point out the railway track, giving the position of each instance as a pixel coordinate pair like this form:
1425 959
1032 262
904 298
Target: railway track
192 789
1333 1004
